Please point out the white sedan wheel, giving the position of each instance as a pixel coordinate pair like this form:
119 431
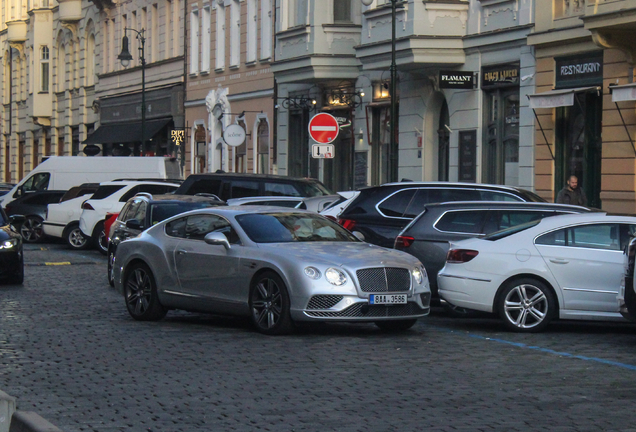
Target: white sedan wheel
526 305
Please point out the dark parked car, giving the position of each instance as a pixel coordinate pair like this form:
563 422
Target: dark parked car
381 212
11 258
233 185
145 210
32 206
427 237
81 190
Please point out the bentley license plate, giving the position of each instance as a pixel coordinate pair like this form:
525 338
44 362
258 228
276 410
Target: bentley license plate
387 299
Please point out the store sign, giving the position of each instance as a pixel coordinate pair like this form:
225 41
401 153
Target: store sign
234 135
580 70
455 80
177 136
498 76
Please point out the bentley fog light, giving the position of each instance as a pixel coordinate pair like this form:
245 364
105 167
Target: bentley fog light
335 277
8 244
312 272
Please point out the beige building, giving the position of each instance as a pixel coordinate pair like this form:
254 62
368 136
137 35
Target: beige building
48 80
585 100
229 82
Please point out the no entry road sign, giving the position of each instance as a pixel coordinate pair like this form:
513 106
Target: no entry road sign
323 128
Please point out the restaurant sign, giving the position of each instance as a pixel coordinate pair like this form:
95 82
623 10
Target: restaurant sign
579 71
455 80
499 76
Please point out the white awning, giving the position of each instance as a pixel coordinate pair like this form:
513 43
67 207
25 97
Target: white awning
623 93
556 98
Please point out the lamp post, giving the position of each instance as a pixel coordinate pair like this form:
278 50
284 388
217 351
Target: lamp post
125 57
393 144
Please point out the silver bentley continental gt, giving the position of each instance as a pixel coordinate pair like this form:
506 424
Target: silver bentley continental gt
278 266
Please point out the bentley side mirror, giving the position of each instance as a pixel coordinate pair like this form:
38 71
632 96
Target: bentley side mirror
216 239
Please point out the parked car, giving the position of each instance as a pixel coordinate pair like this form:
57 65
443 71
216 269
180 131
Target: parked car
235 185
427 237
33 207
275 266
626 294
567 267
11 257
110 198
143 211
315 204
333 210
381 212
61 219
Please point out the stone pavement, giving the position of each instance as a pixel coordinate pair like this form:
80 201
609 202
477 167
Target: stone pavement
70 352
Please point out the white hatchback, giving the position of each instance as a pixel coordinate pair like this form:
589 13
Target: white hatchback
567 267
110 197
62 220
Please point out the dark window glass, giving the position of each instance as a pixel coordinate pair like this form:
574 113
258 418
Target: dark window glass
43 198
124 211
176 228
499 196
510 231
37 182
596 236
312 188
554 238
106 191
140 213
147 188
462 221
447 195
396 204
243 189
161 211
342 11
198 226
280 189
292 227
204 185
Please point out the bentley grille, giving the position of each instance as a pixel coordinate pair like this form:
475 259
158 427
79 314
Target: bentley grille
384 279
324 301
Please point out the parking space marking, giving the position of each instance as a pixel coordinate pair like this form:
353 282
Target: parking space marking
545 350
559 353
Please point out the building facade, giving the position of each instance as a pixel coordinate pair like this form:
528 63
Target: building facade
48 80
584 100
230 82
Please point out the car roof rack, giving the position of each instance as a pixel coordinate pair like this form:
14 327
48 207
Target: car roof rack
208 195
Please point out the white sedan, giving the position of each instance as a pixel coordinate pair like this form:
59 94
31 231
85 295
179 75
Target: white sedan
567 267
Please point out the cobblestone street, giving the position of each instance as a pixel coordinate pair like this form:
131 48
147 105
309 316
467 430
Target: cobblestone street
71 353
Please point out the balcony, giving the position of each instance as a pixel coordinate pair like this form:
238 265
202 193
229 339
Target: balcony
16 31
613 25
70 10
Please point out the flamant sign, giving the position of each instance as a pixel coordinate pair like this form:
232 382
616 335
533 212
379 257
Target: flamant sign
323 128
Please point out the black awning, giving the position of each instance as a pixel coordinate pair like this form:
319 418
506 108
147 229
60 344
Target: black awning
125 132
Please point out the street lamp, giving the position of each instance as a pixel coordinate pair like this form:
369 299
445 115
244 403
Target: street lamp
125 57
393 146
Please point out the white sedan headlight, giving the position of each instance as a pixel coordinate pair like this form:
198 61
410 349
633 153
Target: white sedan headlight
335 276
9 244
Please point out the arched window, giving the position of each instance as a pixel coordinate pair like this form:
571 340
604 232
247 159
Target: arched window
44 69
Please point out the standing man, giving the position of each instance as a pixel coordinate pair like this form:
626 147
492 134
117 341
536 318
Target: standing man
572 193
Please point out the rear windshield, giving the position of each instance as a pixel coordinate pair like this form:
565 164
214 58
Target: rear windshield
106 191
161 211
498 235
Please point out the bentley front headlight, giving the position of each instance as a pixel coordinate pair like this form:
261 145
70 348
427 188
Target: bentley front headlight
335 276
418 274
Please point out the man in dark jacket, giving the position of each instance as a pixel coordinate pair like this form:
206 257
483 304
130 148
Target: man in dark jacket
572 193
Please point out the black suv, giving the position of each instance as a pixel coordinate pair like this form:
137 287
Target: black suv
143 211
234 185
427 237
32 206
381 212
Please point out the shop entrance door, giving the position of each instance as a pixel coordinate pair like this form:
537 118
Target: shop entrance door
501 149
578 145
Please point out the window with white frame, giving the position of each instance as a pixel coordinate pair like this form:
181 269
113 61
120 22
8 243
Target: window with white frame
220 35
297 13
44 69
61 67
194 42
252 21
167 45
342 11
235 33
205 39
266 29
90 60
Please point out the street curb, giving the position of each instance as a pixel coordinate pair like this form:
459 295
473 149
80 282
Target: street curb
29 421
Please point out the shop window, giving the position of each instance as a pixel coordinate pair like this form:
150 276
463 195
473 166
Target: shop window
501 148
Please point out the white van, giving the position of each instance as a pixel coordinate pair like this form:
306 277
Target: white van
64 172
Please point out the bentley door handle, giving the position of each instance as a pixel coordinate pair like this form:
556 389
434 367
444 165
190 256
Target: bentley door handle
559 260
181 252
